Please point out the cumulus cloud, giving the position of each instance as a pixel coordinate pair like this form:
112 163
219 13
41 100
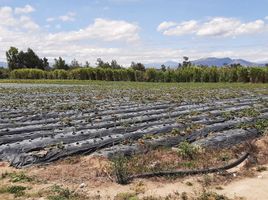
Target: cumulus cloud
104 29
218 26
21 31
28 24
24 10
182 28
6 16
7 19
115 39
165 25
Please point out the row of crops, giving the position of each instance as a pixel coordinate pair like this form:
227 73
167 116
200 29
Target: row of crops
43 123
186 74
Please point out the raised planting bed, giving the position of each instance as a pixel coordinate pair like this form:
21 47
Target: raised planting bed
43 123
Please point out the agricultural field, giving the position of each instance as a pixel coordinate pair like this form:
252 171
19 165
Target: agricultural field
48 121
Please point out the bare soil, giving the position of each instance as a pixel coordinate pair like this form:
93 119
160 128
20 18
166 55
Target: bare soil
90 176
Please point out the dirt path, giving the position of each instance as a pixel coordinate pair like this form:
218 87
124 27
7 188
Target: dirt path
250 188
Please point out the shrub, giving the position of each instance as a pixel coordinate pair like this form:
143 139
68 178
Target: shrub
188 151
119 166
28 74
4 73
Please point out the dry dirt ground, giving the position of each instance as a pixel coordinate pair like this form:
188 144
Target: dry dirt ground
89 178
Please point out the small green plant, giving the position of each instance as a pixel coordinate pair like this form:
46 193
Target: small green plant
126 196
261 125
249 112
188 151
19 177
211 196
224 157
60 193
17 190
119 166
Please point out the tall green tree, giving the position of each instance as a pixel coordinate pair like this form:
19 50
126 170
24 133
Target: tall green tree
29 59
137 66
163 68
87 64
115 65
45 63
186 62
74 64
18 59
100 63
12 56
60 64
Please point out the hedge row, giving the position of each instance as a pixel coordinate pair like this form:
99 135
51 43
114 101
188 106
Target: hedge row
189 74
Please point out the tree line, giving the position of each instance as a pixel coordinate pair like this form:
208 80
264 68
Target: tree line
19 59
27 65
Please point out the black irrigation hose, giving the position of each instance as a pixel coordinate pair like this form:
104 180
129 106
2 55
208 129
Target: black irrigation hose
192 172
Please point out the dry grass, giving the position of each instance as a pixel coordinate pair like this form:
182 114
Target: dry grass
95 173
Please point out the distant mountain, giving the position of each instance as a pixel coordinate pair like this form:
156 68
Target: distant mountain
219 62
3 64
211 61
171 64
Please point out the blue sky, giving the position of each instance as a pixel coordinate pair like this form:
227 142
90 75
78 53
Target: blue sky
136 30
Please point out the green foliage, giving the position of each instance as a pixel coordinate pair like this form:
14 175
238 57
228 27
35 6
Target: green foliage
261 125
126 196
211 196
28 74
119 166
137 66
19 177
17 190
60 193
18 59
4 73
183 74
188 151
60 64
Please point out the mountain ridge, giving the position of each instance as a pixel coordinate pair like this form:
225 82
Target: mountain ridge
209 61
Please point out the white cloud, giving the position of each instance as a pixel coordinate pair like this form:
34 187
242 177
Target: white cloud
251 27
8 19
6 16
182 28
28 24
165 25
266 17
24 10
113 39
21 31
68 17
218 26
107 30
